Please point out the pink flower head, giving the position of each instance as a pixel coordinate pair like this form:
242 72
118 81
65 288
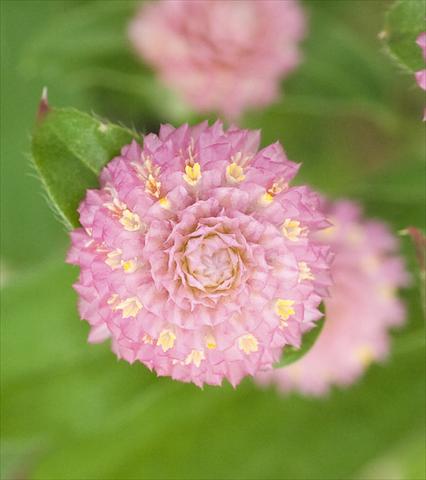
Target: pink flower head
196 255
361 308
222 56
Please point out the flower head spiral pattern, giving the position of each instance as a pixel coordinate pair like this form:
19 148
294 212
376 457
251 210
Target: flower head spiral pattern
222 56
362 306
197 256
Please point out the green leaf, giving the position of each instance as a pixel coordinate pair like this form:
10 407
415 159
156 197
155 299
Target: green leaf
405 20
292 354
69 148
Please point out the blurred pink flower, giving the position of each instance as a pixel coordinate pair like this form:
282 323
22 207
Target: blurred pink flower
363 305
421 42
421 79
222 56
197 257
421 74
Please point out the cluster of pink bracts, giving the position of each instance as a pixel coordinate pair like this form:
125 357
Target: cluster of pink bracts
198 256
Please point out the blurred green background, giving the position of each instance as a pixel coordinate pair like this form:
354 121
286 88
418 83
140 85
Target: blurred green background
70 410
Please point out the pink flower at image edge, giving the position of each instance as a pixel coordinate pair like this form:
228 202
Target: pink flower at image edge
421 74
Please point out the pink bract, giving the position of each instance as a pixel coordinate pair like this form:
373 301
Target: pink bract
223 56
362 307
197 257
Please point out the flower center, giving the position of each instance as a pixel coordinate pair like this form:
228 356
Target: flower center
211 264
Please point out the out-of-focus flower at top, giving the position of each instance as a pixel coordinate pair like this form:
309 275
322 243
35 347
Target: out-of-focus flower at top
362 307
221 56
421 74
197 257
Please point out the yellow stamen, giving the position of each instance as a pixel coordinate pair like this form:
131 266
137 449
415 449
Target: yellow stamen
248 343
284 308
149 173
292 230
266 199
210 342
305 272
241 160
130 307
275 189
130 221
116 207
166 340
153 186
235 173
129 266
195 357
192 174
164 202
112 301
113 259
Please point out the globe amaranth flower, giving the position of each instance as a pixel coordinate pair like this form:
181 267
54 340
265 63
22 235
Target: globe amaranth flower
421 74
196 255
362 306
222 56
